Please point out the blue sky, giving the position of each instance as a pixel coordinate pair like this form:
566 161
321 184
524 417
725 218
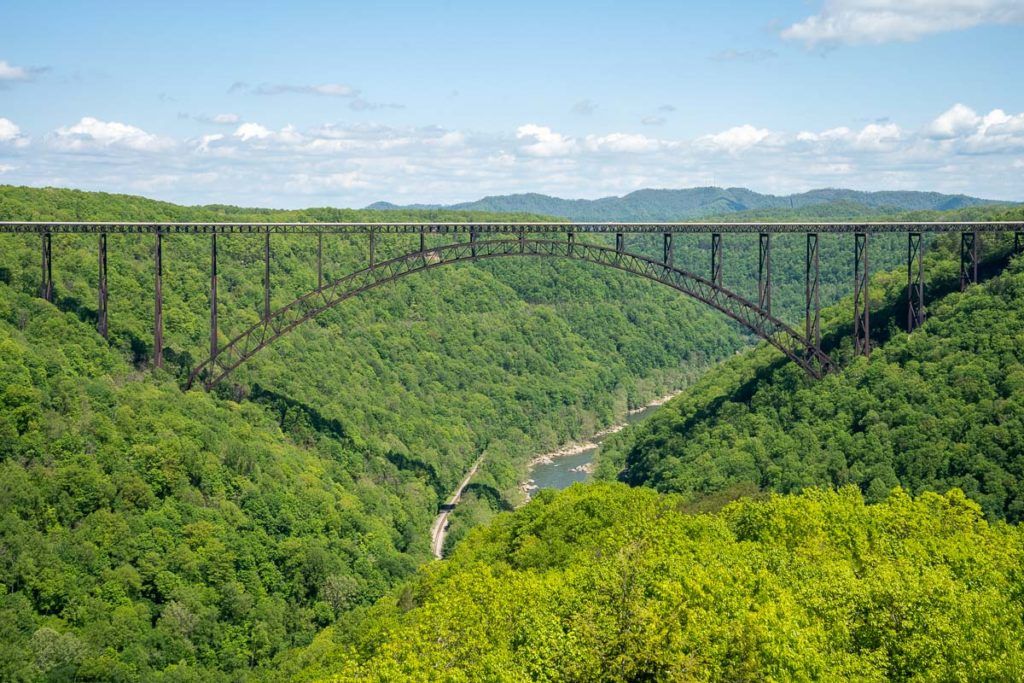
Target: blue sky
314 103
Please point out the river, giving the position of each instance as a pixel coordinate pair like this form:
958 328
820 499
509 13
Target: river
574 462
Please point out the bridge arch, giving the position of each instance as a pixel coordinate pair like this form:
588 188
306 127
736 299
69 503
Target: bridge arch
283 320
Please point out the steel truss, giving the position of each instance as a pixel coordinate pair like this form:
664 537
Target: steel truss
915 281
534 228
861 297
970 245
225 359
764 271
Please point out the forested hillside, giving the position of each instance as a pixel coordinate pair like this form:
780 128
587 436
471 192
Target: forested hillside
849 576
607 583
148 533
941 408
143 530
703 202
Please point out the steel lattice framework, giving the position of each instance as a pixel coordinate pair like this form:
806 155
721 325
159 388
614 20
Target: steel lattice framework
120 227
541 239
285 319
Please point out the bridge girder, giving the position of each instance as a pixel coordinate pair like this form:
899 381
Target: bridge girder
245 345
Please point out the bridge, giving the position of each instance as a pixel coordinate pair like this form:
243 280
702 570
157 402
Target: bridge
464 242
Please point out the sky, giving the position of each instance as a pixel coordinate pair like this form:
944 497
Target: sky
293 104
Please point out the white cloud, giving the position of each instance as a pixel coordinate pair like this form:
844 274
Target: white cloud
4 168
252 131
877 136
543 142
881 21
225 118
354 164
10 134
92 133
621 142
840 133
737 138
10 72
954 122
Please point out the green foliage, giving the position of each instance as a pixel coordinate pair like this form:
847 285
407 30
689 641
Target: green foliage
935 409
143 530
606 583
703 202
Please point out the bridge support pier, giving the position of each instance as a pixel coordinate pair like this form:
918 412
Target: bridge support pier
101 309
320 260
570 242
46 286
915 282
667 249
423 241
213 302
764 272
472 242
716 259
812 305
373 248
620 243
158 302
969 244
266 276
861 298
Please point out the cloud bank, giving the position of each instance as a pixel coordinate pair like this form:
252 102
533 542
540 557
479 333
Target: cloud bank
958 150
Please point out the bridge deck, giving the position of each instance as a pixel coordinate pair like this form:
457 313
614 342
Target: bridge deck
206 228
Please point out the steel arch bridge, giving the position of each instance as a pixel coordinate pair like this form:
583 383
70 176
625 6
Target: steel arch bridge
552 240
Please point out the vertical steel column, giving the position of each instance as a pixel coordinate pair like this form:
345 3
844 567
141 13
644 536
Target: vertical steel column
861 300
423 240
620 242
472 242
571 248
158 301
522 241
667 249
266 275
46 287
373 248
969 242
915 281
101 310
764 272
812 307
716 259
319 260
213 302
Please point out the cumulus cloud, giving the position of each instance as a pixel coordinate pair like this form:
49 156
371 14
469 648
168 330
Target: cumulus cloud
954 122
738 138
855 22
91 133
652 120
541 141
10 134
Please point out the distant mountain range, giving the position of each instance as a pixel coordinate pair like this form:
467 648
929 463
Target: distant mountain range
699 202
